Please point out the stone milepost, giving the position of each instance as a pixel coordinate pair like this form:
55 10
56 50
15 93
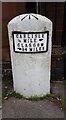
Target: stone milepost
30 42
30 39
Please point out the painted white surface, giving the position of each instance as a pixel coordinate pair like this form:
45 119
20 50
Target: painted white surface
31 72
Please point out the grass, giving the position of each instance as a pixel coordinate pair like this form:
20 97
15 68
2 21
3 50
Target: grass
61 101
6 87
58 97
12 94
8 92
36 98
62 105
15 94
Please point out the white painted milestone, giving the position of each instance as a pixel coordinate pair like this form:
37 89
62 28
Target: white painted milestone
30 39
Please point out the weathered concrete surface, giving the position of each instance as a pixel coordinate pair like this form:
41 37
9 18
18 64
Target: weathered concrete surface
57 88
31 72
0 114
15 108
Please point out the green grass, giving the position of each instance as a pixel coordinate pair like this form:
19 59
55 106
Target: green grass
61 101
62 104
8 92
11 94
58 96
36 98
15 94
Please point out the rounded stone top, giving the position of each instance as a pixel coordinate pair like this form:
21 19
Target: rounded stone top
29 17
30 23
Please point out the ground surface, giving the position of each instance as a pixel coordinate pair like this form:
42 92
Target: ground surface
0 99
14 108
22 108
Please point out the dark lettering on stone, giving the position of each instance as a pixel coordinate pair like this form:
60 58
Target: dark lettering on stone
36 49
38 35
42 35
19 48
22 49
29 44
26 45
32 35
38 44
34 45
25 49
24 35
31 41
42 44
18 44
40 39
35 35
30 49
28 36
17 35
24 40
40 48
22 45
35 40
19 40
20 36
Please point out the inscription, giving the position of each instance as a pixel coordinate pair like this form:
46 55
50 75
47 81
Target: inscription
30 42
